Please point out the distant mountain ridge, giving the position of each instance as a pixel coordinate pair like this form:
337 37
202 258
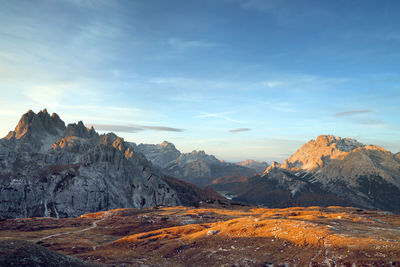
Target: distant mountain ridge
196 167
327 171
49 169
259 166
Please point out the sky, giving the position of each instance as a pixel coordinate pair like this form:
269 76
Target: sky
240 79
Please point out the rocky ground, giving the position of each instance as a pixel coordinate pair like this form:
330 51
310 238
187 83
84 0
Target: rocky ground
213 236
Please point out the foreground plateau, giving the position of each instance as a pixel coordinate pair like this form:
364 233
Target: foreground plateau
214 236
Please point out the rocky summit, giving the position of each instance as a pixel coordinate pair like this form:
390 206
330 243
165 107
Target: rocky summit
49 169
327 171
161 154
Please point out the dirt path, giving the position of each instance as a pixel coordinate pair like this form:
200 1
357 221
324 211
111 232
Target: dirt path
94 225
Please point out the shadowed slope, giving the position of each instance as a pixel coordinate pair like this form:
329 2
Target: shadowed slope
22 253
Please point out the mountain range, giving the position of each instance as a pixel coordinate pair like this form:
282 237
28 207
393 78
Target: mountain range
50 169
327 171
196 167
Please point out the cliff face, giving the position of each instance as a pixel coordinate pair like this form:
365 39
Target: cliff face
47 169
160 155
318 153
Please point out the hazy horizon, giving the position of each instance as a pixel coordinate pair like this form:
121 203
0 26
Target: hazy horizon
239 79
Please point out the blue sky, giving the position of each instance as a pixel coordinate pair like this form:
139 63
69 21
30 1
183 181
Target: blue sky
237 78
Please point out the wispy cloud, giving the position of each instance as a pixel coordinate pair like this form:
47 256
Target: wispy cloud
116 128
133 128
352 112
178 43
262 5
163 128
183 82
370 122
219 115
238 130
301 81
286 12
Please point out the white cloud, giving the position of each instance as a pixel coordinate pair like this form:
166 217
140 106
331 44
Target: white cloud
273 84
219 115
302 82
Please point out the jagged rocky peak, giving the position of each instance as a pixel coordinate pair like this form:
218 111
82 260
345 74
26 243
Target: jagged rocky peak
36 132
160 155
167 145
74 172
343 144
79 130
37 124
275 165
118 143
200 152
397 156
197 156
317 153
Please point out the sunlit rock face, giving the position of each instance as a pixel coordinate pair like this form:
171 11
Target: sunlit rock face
367 175
331 158
36 131
327 171
318 153
48 169
196 167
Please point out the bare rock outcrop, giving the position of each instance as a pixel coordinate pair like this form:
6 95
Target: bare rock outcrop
367 175
160 155
36 131
318 153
